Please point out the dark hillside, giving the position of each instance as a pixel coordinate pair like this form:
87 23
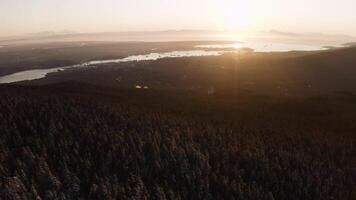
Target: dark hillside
75 141
330 70
278 74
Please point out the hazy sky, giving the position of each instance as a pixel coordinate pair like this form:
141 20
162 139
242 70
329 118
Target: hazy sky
28 16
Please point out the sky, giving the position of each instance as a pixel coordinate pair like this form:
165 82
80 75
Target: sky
19 17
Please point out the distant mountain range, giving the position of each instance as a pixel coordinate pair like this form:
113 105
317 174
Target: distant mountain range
178 35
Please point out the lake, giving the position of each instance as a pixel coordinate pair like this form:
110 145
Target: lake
41 73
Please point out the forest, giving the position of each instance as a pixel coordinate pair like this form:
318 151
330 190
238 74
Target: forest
78 141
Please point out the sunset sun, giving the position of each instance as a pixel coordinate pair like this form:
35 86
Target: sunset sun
237 16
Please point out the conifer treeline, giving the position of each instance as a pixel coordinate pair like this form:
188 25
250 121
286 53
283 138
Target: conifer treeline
55 147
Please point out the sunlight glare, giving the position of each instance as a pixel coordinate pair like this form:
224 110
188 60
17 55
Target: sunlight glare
237 15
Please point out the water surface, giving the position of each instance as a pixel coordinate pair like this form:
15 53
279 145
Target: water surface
265 47
41 73
215 50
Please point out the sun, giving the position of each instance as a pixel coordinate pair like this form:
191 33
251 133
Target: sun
236 22
237 16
